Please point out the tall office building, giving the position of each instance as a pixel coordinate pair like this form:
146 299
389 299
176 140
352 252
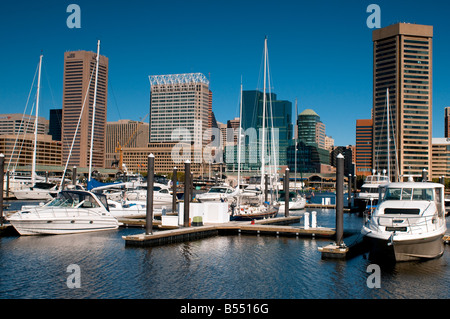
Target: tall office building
402 63
364 129
311 130
179 101
79 77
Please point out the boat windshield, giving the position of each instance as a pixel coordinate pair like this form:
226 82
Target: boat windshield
409 194
73 199
376 179
373 190
217 190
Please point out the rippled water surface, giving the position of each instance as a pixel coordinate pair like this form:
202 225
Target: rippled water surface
233 266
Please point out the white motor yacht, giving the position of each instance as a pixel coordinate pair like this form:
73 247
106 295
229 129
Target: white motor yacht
218 193
369 191
408 223
72 211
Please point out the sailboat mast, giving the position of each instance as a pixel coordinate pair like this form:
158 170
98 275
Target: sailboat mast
388 138
295 149
264 116
93 111
33 163
239 142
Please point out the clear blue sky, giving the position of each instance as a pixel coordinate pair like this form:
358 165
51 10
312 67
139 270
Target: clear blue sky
320 52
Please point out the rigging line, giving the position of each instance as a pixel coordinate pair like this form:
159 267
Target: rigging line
114 97
49 86
23 115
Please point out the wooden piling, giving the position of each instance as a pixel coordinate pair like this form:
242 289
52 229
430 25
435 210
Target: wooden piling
187 184
2 167
150 182
339 199
174 190
74 175
286 192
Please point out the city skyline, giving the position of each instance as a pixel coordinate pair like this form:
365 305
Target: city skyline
319 53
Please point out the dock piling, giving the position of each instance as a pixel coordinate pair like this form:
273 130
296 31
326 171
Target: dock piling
2 167
174 190
74 175
286 192
338 249
187 196
150 182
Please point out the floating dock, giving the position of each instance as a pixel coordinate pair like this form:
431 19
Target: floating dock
267 227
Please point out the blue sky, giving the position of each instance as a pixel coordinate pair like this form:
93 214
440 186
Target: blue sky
320 52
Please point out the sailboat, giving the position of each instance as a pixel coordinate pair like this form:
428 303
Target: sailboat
263 209
41 190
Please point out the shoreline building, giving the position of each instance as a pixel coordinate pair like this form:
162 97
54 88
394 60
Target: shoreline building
124 135
364 136
16 123
402 63
79 76
440 158
312 155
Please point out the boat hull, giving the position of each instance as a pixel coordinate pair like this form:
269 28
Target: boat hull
254 216
405 250
25 194
62 226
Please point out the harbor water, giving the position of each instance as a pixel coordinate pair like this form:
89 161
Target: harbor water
221 267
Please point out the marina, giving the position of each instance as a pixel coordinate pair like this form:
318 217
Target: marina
263 266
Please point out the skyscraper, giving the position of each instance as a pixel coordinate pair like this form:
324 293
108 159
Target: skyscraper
279 115
179 101
402 64
78 90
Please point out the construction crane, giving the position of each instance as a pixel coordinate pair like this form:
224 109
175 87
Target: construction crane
119 148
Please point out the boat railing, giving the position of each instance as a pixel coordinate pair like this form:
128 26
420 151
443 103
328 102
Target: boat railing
412 225
67 212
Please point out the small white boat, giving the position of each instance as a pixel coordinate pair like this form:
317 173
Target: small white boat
70 212
128 209
251 212
39 191
408 223
161 195
218 193
296 201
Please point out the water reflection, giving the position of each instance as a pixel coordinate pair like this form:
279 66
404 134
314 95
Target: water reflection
233 266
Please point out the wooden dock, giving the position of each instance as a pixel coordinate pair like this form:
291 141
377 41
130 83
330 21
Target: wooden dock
263 227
